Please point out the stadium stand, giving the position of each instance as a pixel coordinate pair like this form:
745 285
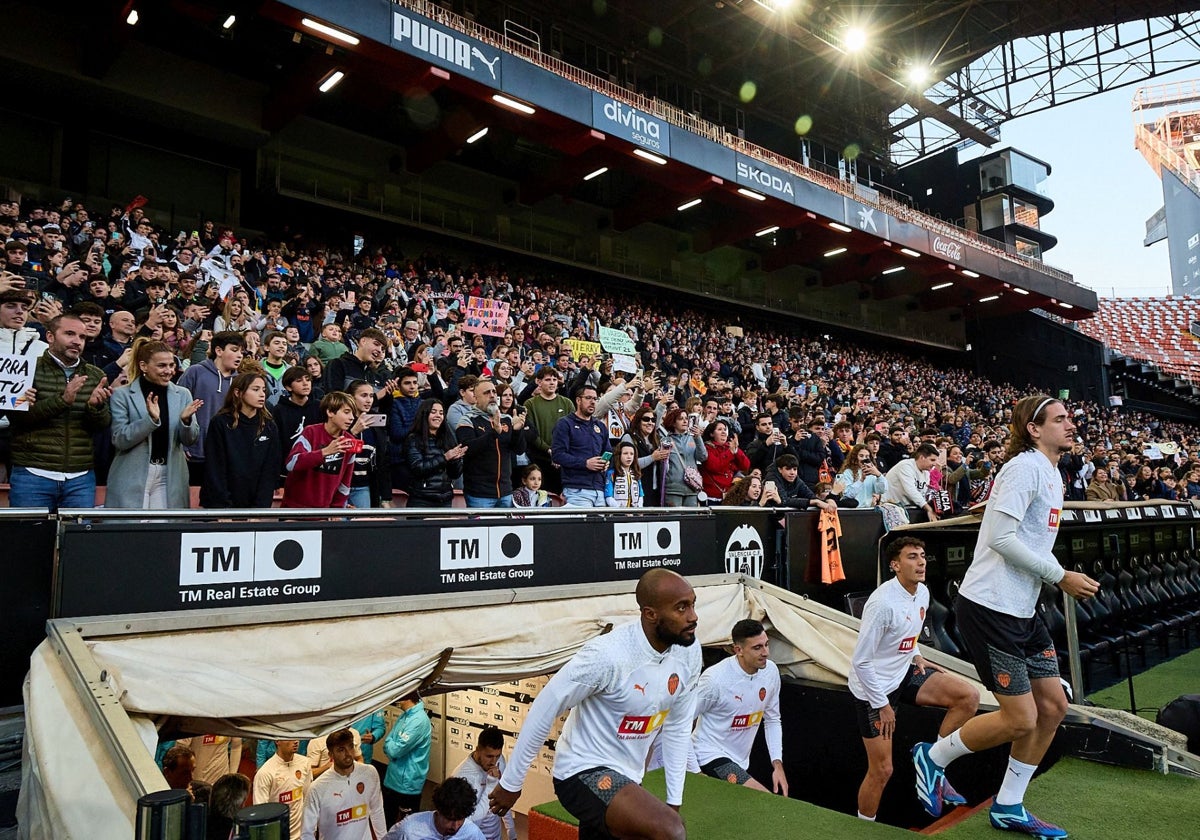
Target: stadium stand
1150 329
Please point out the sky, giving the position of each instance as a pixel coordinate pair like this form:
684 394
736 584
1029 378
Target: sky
1103 191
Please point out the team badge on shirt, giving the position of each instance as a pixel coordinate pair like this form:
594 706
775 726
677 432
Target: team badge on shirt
762 694
299 775
672 683
361 787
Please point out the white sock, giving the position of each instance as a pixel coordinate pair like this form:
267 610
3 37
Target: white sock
948 749
1016 780
863 816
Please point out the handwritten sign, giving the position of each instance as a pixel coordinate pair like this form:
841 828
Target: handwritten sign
617 341
16 377
486 316
625 364
580 348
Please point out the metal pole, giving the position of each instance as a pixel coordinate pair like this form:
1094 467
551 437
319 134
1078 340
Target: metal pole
1073 660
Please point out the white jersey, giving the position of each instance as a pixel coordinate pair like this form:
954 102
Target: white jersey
907 485
731 705
483 784
216 755
887 641
345 807
1029 489
621 691
420 827
318 753
285 782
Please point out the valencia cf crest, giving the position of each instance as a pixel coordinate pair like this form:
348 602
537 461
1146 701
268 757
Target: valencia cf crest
672 683
605 783
922 613
762 694
360 787
1003 679
299 775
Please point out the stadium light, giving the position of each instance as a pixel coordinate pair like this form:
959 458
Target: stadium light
478 135
839 226
775 5
969 273
941 286
133 17
1066 305
513 104
325 29
1020 291
650 156
331 81
595 174
909 252
688 205
918 75
989 298
229 22
855 39
767 231
893 269
752 194
835 252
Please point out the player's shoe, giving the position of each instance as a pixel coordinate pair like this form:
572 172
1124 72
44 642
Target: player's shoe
1016 818
930 780
949 795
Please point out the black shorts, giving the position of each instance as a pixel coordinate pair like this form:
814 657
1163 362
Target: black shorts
868 717
587 795
1007 651
727 769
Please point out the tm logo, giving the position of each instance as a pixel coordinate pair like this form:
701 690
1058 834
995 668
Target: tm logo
245 556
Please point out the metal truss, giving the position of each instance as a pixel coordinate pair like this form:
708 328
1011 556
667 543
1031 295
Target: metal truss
1032 74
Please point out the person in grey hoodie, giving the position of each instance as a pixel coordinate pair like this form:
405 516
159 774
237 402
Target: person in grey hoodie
209 381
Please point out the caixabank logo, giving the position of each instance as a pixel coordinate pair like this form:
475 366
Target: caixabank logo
498 552
229 566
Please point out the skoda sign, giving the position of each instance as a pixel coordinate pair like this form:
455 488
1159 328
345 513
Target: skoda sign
765 179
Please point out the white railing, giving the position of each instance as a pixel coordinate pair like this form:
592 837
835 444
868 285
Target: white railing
718 134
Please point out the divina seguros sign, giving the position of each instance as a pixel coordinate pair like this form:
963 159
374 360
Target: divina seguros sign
629 123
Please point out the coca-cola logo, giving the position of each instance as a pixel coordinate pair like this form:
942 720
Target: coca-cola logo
948 248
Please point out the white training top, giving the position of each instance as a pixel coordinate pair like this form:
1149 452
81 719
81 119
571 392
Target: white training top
216 755
887 641
906 485
620 691
421 827
731 705
284 782
484 784
345 807
1007 573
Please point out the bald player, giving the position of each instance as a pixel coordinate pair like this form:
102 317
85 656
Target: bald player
621 688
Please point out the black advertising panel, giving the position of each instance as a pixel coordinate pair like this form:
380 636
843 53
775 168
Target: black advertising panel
909 235
107 568
1183 233
27 570
540 87
702 153
820 200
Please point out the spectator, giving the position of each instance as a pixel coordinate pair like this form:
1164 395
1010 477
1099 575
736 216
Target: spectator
320 466
783 478
53 453
434 457
1103 488
724 460
530 493
491 442
623 480
861 478
401 413
329 346
275 363
366 362
16 339
908 481
407 747
242 446
813 453
687 453
578 446
210 381
297 409
768 443
545 407
371 485
461 407
653 450
894 450
153 419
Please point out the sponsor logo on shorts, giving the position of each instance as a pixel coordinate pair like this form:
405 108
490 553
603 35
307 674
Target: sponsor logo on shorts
636 727
746 721
907 644
762 693
1055 515
358 812
672 683
1004 679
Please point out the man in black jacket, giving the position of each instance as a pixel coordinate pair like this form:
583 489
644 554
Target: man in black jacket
893 450
491 440
364 363
813 452
793 492
768 444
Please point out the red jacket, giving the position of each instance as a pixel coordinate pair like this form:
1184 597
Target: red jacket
719 469
314 479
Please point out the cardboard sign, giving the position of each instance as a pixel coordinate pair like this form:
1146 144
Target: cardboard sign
580 348
617 341
486 316
627 364
16 377
736 332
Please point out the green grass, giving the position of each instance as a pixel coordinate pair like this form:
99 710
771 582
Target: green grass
1098 802
717 810
1155 688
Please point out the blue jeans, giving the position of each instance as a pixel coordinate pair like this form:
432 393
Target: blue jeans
33 491
360 498
578 497
481 502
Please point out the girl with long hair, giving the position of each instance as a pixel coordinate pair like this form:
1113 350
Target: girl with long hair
623 483
862 477
241 449
434 457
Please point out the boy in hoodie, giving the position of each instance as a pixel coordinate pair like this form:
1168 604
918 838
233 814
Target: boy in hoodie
401 414
209 381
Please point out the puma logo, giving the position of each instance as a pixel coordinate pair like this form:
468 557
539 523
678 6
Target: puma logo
737 697
491 65
640 688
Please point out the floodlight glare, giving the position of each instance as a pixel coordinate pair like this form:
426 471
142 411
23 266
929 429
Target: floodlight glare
650 156
325 29
767 231
478 135
968 273
941 286
1020 291
893 269
752 194
839 226
133 17
918 75
512 103
989 298
229 22
688 205
331 81
855 39
595 174
909 252
835 252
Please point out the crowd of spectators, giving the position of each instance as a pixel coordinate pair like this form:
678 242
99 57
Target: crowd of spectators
249 367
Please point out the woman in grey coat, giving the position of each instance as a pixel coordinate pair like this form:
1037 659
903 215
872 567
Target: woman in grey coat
153 420
687 452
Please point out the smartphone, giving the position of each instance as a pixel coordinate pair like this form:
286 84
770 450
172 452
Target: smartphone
371 420
606 457
356 446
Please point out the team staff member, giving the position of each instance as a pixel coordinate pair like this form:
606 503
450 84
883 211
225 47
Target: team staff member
734 697
345 803
621 687
407 747
482 769
1010 647
887 667
285 778
453 802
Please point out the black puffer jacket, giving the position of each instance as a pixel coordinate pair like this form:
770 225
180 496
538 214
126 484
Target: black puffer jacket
431 473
